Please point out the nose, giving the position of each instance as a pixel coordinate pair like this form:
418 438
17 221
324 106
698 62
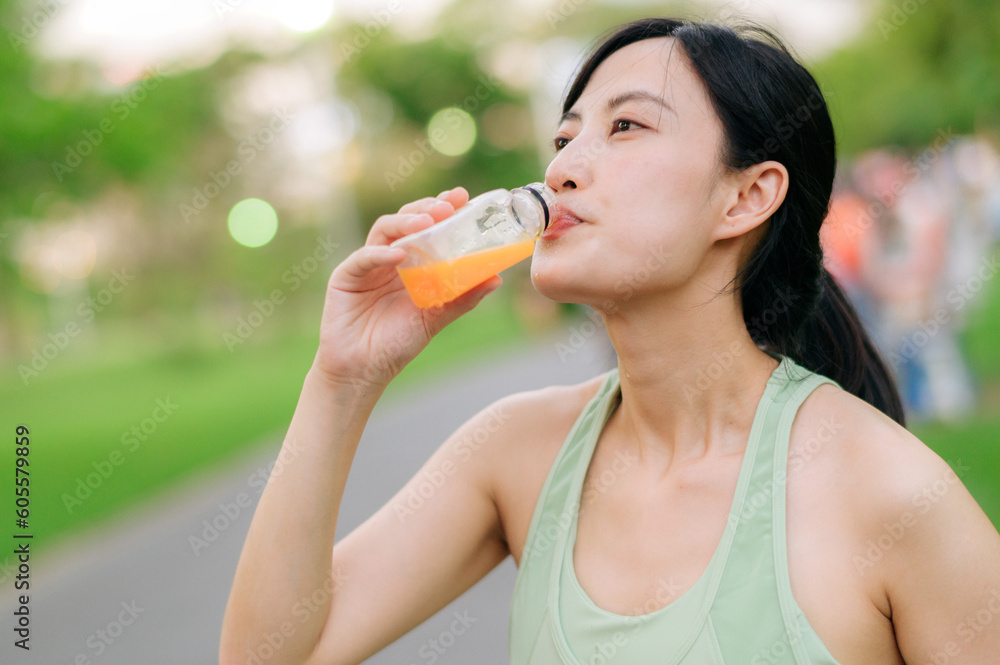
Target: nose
571 168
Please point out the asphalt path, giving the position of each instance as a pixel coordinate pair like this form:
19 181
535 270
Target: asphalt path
151 588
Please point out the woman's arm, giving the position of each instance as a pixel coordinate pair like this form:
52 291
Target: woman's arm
292 589
942 577
286 557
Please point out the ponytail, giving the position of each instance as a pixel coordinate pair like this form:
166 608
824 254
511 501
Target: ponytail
800 311
832 342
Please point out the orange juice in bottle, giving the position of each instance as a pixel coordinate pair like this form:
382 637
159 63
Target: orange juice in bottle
433 284
488 234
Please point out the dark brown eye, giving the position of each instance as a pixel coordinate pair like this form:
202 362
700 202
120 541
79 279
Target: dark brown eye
560 143
623 125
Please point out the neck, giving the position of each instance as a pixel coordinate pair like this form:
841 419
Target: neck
691 377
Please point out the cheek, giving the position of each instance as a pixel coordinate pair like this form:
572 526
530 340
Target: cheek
661 178
653 206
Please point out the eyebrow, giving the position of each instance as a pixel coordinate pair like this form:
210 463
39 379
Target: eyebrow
618 100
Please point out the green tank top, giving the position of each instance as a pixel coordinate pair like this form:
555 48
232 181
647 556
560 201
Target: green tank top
740 610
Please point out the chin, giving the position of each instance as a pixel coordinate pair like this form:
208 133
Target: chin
552 291
563 286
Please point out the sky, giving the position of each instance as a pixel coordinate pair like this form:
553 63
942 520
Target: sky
126 36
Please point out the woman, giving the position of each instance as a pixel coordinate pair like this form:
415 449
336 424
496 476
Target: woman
717 498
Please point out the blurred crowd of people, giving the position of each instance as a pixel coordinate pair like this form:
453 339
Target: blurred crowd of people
911 237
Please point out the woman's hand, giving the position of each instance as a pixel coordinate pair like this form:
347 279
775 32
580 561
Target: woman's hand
370 328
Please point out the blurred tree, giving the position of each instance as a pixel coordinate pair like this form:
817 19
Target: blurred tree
919 68
415 80
58 116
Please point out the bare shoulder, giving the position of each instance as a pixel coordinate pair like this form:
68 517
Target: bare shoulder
908 519
522 422
874 465
515 440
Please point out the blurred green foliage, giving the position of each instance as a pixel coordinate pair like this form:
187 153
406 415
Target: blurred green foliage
919 67
419 79
155 123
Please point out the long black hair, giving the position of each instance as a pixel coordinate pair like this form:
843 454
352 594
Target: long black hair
771 108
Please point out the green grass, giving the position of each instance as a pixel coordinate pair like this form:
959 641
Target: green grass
82 408
981 339
972 449
975 443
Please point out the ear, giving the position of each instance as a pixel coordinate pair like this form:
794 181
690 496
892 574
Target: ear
758 192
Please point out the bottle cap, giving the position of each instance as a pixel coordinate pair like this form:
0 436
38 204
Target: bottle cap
545 196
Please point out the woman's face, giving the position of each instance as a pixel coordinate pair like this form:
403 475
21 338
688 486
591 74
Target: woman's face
639 185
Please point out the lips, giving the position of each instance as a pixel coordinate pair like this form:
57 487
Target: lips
562 221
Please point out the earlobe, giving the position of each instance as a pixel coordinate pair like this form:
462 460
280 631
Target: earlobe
762 189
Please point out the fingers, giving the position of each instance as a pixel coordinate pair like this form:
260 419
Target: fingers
416 216
388 228
354 271
457 197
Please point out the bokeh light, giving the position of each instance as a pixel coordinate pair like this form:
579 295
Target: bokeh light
302 15
77 254
452 131
253 222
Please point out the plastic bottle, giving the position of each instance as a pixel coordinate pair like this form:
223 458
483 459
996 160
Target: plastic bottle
490 233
